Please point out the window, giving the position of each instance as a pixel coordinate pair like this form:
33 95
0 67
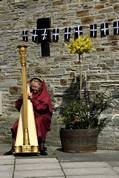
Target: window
44 35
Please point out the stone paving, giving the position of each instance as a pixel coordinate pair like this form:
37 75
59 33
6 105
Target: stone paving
100 164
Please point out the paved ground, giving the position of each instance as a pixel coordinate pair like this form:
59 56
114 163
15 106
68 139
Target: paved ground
57 164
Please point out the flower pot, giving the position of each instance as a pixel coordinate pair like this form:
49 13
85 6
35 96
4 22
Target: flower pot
78 140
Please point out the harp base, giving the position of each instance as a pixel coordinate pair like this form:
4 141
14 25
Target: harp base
26 149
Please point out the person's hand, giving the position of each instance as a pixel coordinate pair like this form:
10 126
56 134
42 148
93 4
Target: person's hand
29 95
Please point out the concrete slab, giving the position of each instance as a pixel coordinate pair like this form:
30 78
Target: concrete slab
39 173
100 164
6 160
46 177
100 156
114 163
6 157
116 169
42 166
6 174
6 168
89 171
94 176
84 164
36 160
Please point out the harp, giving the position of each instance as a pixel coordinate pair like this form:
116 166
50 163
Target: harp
26 138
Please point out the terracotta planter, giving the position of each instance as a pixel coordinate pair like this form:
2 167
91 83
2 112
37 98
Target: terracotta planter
78 140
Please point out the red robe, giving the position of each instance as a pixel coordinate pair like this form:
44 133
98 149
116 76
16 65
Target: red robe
42 111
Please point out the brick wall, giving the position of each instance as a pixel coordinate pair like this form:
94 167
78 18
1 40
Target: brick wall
101 67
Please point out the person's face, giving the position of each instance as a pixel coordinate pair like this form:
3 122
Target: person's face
35 86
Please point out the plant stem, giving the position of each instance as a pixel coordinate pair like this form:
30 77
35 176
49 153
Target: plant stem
80 67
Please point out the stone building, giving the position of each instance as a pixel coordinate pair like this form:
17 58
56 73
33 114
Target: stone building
52 60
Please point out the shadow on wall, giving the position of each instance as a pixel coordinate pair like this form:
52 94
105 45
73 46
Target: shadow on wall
73 92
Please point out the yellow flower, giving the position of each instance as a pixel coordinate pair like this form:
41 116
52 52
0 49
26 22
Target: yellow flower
80 45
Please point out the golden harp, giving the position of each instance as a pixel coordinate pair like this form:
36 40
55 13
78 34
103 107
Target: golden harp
26 138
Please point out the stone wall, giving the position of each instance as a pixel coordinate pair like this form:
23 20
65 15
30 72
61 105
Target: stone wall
100 67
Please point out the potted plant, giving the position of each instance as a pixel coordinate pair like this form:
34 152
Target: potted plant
81 115
82 122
